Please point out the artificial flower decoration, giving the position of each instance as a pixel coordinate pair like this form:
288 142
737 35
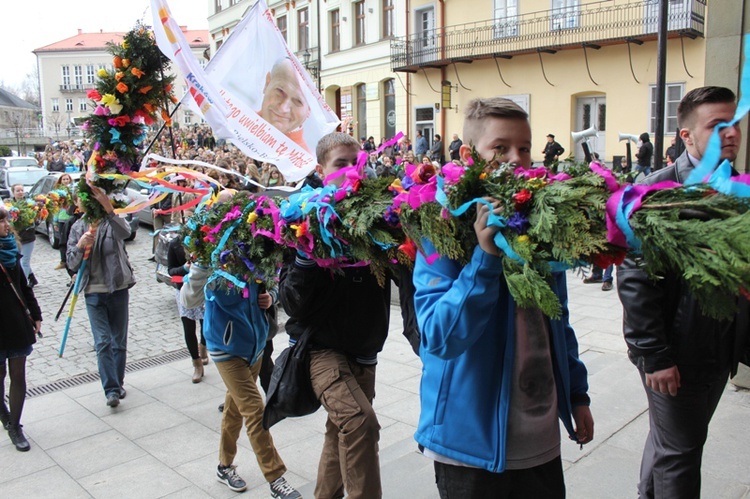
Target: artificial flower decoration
125 102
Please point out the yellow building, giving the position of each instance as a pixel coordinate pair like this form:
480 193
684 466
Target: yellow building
572 64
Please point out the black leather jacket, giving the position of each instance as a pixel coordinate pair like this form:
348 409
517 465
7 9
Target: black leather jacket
662 323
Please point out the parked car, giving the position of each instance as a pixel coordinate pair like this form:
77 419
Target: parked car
8 161
141 195
51 228
12 175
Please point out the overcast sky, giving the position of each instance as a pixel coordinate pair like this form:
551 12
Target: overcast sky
29 25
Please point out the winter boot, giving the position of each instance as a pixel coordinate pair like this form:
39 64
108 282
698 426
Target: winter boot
198 370
203 352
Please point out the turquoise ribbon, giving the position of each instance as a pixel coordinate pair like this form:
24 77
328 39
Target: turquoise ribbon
712 154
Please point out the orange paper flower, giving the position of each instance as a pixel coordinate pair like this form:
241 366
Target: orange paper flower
121 87
148 107
118 61
137 72
166 118
145 90
119 75
125 63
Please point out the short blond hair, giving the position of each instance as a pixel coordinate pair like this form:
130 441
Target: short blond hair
480 109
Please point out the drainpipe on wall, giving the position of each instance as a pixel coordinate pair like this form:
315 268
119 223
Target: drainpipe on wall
442 69
408 75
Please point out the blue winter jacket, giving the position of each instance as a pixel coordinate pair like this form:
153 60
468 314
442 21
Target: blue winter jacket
467 319
234 325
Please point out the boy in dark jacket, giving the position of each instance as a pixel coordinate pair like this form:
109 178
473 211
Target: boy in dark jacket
349 314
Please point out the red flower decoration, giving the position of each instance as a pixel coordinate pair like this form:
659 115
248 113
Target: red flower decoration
119 121
522 197
93 95
409 249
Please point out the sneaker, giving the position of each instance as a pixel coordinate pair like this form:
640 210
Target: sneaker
123 393
60 266
221 407
113 399
15 432
152 259
592 280
228 475
607 286
281 489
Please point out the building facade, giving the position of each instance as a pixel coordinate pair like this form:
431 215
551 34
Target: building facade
67 69
574 65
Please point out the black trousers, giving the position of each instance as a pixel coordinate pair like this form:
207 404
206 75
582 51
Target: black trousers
460 482
678 427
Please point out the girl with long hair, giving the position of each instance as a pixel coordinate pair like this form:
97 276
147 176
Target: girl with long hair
22 320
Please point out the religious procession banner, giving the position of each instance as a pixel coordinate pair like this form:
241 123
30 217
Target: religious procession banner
254 92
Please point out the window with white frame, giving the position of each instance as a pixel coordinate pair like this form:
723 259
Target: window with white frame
55 105
303 29
281 24
78 72
674 93
187 117
506 18
565 14
359 22
389 18
335 30
82 104
66 76
69 105
90 74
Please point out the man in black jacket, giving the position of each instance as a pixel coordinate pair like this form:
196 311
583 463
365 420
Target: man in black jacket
683 356
552 150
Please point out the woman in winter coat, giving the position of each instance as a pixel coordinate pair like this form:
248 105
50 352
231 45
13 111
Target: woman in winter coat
27 238
22 320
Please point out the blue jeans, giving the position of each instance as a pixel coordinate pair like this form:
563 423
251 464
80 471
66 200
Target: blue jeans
26 250
605 275
108 315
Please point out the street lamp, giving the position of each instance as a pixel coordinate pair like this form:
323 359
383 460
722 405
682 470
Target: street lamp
312 68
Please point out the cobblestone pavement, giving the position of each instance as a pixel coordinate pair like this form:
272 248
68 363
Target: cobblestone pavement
154 327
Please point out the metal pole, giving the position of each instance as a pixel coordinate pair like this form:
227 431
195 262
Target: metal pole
318 55
661 82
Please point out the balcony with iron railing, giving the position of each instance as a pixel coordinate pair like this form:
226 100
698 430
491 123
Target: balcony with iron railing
76 88
594 24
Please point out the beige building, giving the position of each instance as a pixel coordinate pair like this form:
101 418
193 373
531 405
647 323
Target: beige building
346 46
67 69
574 65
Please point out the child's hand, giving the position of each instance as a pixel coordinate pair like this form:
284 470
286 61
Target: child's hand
264 301
485 234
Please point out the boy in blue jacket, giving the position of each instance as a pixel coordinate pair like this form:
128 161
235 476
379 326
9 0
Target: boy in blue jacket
236 329
496 377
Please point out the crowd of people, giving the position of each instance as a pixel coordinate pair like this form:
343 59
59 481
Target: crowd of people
497 378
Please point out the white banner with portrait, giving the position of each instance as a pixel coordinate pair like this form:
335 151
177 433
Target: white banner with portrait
254 92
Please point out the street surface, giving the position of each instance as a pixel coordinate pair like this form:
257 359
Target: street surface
154 327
